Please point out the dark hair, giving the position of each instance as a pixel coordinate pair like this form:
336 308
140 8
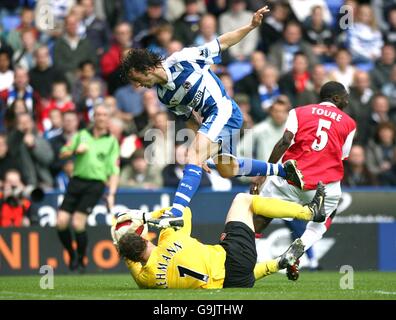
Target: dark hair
384 125
132 246
139 60
331 89
83 63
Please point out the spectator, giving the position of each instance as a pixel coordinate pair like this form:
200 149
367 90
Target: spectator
296 81
319 34
153 17
234 18
97 30
15 36
249 84
86 73
15 209
311 92
56 124
379 113
381 152
7 162
252 145
44 74
381 10
71 49
133 9
18 107
187 26
151 106
139 174
268 89
344 71
359 104
174 46
60 100
70 125
34 152
283 51
356 173
94 97
364 38
163 35
122 40
207 30
228 83
25 56
129 101
243 102
22 90
6 73
389 32
272 28
381 73
389 89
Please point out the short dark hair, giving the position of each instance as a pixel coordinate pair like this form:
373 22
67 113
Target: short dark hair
132 246
139 60
331 89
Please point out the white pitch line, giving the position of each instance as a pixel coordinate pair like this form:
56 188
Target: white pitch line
385 292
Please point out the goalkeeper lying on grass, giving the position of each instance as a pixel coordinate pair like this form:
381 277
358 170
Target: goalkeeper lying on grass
180 261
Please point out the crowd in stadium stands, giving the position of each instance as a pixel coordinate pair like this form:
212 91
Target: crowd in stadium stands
53 74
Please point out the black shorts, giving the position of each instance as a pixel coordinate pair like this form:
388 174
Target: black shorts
238 240
82 195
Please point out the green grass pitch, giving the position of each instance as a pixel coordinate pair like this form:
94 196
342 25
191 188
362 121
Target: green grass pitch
311 285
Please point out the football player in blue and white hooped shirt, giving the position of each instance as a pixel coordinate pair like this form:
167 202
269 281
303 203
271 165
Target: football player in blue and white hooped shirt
187 86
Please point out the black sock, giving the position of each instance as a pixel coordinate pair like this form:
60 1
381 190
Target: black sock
65 237
82 243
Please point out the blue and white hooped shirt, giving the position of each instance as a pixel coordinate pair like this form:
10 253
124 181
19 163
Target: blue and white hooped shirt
191 84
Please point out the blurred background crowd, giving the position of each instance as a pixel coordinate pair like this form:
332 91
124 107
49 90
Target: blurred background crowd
51 79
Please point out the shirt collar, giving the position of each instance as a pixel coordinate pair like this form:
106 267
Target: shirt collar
327 103
107 134
170 84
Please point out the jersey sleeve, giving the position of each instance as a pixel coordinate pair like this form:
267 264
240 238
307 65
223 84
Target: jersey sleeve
292 122
72 144
209 53
346 148
137 273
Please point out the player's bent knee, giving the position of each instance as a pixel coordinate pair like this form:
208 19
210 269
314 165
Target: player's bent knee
226 171
62 220
243 198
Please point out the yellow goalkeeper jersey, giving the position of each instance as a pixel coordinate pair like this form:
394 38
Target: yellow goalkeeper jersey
180 261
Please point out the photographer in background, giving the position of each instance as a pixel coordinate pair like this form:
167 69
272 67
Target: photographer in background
16 208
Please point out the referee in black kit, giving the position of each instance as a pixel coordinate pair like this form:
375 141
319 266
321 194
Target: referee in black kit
96 164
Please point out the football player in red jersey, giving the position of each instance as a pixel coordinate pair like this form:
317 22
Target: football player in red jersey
318 137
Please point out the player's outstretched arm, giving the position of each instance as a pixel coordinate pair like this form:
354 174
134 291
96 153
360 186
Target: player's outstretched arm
228 39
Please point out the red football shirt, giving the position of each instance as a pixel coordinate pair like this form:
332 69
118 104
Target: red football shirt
323 136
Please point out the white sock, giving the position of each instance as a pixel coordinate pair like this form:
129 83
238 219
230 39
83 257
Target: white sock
313 233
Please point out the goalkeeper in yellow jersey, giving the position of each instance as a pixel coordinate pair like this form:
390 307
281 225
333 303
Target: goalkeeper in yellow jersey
180 261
